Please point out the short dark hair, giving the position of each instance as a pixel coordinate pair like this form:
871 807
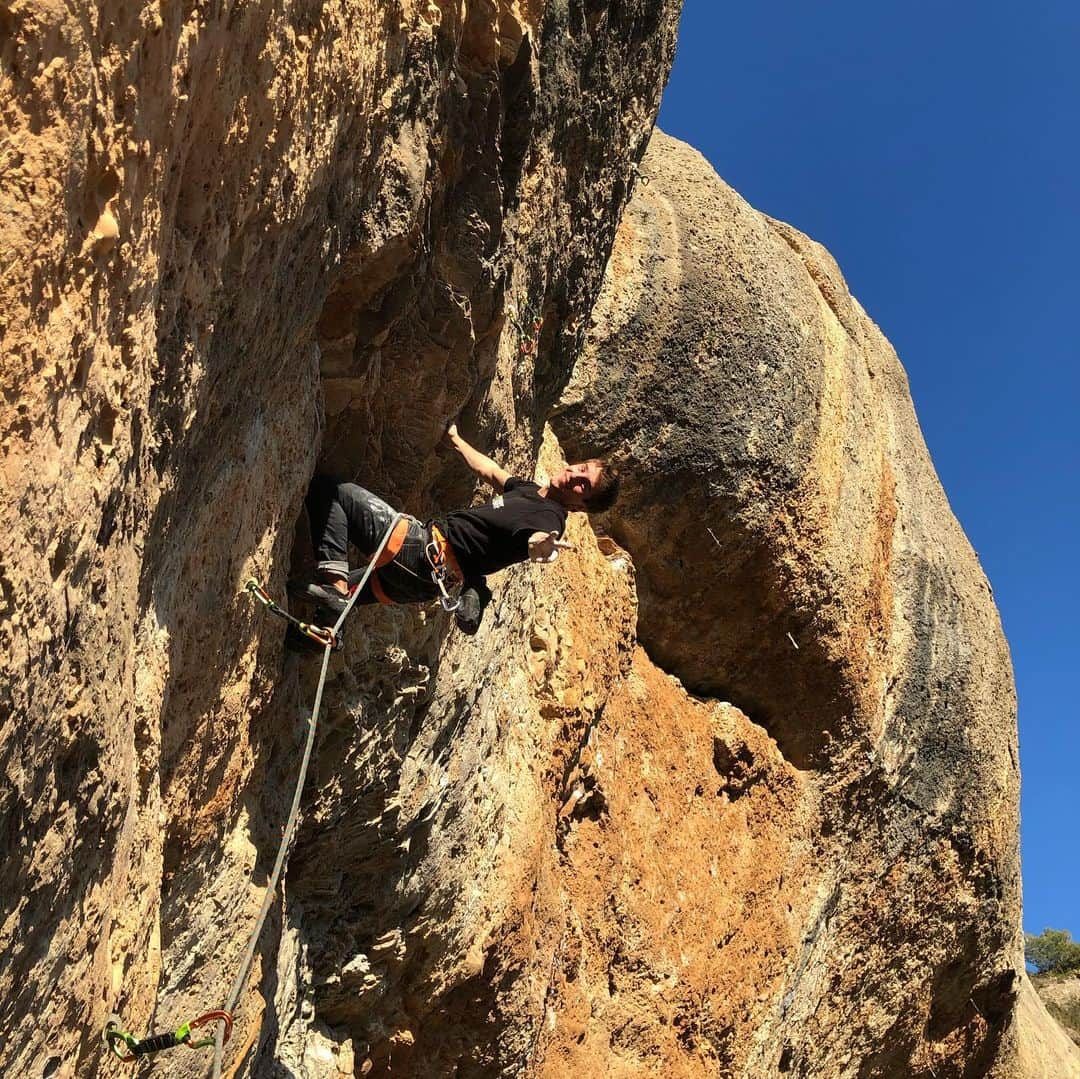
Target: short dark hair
606 489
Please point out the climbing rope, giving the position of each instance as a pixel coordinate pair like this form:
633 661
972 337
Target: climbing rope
329 645
127 1047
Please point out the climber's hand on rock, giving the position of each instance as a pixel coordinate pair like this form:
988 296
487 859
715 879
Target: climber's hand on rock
545 546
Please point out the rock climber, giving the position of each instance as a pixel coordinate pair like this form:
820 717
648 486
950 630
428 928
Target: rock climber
453 553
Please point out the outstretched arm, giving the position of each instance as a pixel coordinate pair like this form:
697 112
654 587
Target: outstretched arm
480 463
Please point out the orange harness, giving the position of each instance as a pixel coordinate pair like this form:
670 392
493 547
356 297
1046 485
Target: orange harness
445 571
390 552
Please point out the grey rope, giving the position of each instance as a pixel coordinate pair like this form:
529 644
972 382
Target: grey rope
294 812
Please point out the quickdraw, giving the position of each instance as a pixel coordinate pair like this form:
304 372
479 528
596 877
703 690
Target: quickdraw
528 332
128 1048
324 636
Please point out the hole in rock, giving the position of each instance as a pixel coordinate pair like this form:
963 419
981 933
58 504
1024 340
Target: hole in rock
61 556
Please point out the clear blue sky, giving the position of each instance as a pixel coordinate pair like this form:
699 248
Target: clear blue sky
933 148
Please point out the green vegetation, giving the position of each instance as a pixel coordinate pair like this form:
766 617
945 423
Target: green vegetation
1053 951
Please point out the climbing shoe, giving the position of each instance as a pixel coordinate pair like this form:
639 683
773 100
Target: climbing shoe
322 595
472 603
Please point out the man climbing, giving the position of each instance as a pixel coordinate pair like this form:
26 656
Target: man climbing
453 553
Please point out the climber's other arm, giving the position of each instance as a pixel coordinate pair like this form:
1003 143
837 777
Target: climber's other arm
480 463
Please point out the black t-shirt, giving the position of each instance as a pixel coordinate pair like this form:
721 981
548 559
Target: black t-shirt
495 535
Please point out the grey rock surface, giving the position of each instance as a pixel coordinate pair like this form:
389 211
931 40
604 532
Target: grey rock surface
797 556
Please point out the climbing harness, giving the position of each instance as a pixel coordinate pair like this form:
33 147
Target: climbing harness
127 1048
220 1035
321 635
528 331
445 571
399 533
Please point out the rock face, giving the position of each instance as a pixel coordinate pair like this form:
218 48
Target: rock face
1048 1014
732 790
243 240
796 556
1062 999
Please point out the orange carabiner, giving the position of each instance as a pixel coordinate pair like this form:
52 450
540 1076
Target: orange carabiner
211 1017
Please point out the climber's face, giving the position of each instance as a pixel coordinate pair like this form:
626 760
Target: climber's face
576 482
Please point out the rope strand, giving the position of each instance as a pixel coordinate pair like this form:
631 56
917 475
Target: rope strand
294 812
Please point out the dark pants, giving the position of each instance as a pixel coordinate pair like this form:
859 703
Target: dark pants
344 513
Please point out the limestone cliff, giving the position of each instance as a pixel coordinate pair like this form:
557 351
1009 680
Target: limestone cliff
1062 999
1047 1037
243 239
796 556
737 801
